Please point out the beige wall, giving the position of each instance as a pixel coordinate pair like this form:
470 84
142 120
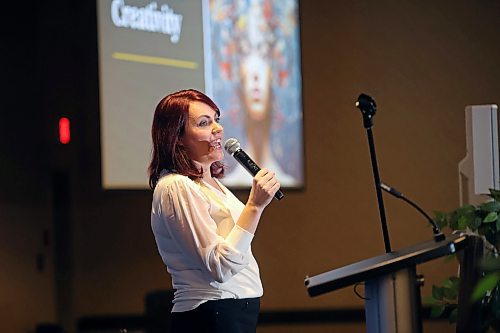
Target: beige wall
423 62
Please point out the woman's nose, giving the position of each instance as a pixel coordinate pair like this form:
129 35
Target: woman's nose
217 128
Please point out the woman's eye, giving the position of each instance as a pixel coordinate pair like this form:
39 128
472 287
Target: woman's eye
203 123
217 120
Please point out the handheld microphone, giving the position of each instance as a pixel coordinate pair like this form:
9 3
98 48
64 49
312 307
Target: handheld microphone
438 235
232 146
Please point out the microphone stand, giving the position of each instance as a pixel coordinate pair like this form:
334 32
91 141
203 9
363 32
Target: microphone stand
368 108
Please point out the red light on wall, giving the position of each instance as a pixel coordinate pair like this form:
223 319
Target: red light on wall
64 130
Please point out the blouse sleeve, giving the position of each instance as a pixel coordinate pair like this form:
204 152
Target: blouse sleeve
188 220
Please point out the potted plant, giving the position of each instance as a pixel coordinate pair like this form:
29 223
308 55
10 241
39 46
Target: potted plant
482 220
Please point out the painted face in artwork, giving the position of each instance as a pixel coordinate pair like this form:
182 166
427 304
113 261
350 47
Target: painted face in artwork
255 66
256 81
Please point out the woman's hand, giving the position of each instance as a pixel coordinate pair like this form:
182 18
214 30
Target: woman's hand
263 189
264 186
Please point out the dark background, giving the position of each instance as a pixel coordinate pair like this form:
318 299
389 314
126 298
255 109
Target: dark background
69 249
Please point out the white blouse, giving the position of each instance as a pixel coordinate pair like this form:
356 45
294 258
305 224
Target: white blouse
208 256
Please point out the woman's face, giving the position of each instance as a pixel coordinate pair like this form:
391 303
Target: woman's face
256 80
203 135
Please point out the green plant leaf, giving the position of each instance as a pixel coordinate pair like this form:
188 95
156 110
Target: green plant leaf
465 210
441 219
429 300
456 282
450 293
437 310
491 217
437 292
448 283
495 194
492 206
462 222
485 284
475 223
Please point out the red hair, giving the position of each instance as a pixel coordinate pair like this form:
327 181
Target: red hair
169 124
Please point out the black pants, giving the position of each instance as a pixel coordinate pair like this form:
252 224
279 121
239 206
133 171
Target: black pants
220 316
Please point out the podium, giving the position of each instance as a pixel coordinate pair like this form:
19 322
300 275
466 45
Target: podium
392 289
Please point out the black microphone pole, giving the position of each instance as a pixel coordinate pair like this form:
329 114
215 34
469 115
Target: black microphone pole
368 108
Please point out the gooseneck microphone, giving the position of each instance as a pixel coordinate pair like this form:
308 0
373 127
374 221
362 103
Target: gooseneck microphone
232 146
438 235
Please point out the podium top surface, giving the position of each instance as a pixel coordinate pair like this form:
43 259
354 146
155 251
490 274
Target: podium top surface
383 264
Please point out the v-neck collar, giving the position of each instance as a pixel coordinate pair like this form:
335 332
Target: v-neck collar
220 190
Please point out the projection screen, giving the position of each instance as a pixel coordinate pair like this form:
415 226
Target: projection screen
245 55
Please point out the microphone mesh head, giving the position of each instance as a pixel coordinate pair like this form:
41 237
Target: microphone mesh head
231 145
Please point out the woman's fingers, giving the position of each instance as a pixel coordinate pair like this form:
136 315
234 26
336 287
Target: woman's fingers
265 181
265 178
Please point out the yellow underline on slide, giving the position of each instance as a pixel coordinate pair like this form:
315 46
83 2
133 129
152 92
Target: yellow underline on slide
155 60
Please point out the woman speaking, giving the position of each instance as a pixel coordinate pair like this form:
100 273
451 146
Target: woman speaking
203 232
